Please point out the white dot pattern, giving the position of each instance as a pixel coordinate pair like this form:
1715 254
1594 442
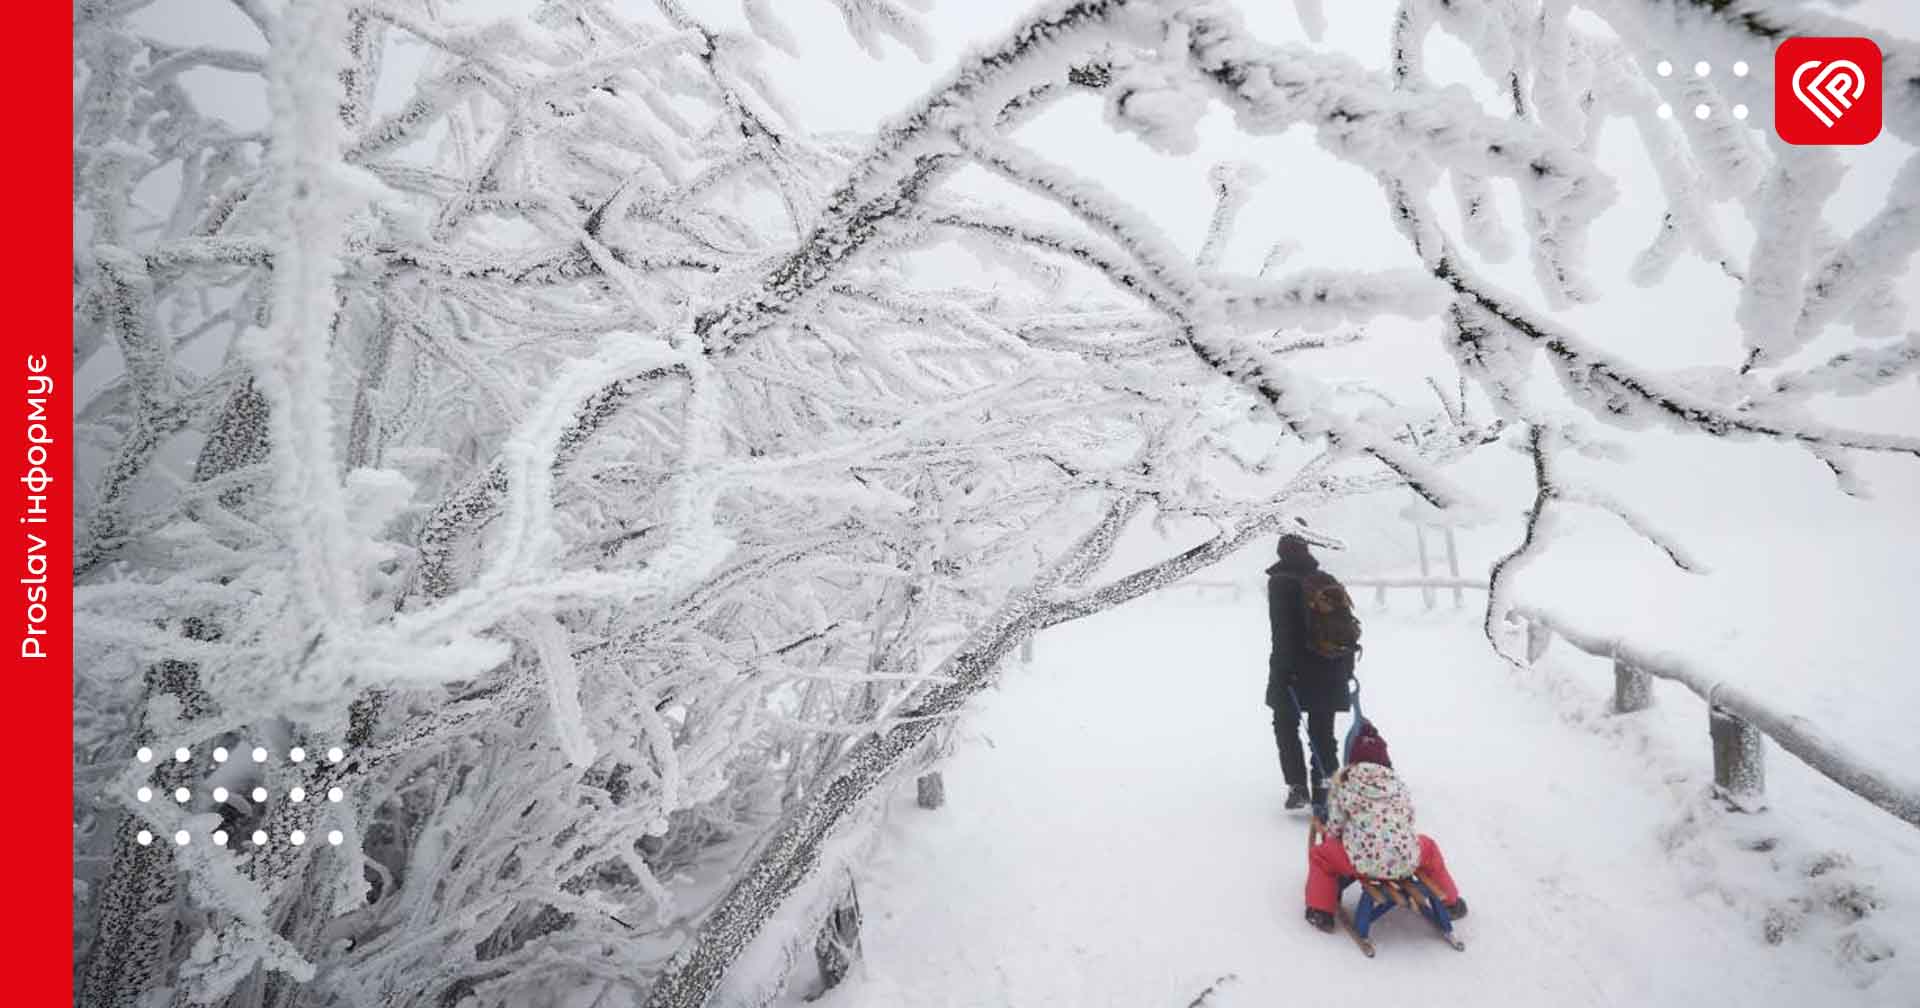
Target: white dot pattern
220 837
1703 69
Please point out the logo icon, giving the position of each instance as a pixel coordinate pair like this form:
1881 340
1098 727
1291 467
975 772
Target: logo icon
1826 91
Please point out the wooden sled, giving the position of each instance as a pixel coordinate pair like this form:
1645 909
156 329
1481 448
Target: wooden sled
1378 897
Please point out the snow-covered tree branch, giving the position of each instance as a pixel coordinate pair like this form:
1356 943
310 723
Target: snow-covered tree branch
622 474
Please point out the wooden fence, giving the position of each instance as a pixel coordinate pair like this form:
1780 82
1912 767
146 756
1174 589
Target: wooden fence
1429 583
1238 591
1738 723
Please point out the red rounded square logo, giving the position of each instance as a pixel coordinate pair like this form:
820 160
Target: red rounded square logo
1826 91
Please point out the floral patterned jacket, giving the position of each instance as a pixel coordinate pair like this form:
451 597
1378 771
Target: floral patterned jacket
1371 813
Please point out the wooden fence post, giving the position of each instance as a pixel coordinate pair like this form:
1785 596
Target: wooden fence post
1739 777
1538 637
1632 688
1453 569
931 790
1426 573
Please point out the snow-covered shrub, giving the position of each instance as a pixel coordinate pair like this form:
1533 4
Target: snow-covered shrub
534 409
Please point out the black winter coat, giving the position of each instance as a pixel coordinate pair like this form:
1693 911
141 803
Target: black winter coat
1319 682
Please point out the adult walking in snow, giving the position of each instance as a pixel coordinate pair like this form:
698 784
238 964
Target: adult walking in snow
1315 639
1370 833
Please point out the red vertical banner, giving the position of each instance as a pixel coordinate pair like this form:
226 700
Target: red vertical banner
38 377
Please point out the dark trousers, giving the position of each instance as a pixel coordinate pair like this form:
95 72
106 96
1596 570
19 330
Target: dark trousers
1293 760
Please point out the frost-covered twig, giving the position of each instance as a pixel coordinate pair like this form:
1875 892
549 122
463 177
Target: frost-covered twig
1539 529
1619 393
1200 1000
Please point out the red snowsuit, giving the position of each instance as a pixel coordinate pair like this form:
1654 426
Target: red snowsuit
1370 833
1327 863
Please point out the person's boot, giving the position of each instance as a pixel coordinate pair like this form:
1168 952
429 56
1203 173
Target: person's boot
1317 797
1296 796
1458 908
1320 919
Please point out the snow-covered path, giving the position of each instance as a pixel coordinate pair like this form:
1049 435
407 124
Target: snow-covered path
1114 836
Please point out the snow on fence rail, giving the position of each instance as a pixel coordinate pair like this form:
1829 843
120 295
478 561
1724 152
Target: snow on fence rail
1236 590
1736 722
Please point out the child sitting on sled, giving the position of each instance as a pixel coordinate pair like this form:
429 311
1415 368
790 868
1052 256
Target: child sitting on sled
1369 832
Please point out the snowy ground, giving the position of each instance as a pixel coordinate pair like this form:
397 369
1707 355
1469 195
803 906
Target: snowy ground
1114 836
